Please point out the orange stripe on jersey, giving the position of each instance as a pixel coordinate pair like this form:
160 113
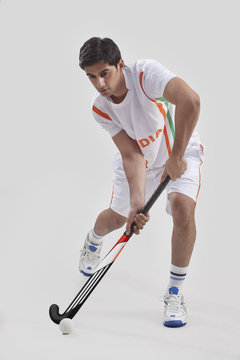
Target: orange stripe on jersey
167 141
162 111
101 113
141 77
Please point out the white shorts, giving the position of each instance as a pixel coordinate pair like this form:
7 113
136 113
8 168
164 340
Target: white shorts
188 184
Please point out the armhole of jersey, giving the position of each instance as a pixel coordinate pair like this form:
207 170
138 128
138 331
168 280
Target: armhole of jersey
162 111
141 84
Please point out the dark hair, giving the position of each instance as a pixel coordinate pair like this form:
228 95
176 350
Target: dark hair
96 50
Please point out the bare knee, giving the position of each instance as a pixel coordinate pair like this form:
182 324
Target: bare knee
107 221
117 220
183 209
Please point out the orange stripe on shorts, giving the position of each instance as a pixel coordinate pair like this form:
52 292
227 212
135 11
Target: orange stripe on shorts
111 197
200 177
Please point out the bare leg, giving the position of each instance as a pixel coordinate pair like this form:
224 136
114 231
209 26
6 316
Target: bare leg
184 229
107 221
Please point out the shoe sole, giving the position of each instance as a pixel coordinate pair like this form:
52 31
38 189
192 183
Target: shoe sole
174 324
85 274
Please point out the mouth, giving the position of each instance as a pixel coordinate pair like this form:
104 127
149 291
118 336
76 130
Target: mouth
102 91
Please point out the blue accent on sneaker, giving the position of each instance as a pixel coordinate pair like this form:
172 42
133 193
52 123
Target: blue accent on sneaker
89 268
172 315
92 248
174 323
85 274
173 290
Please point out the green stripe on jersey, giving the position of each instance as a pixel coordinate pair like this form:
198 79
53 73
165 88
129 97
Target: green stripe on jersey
163 100
171 124
168 115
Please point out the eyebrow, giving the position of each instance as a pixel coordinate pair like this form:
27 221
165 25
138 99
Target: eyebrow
99 72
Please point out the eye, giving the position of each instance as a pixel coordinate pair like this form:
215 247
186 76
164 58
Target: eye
104 73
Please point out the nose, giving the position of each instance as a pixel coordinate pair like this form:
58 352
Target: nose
100 82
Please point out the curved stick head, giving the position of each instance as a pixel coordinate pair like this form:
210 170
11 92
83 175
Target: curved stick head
54 314
56 317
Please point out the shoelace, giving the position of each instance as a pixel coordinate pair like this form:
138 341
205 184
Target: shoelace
91 256
173 301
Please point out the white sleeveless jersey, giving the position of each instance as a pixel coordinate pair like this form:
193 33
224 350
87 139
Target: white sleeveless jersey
144 114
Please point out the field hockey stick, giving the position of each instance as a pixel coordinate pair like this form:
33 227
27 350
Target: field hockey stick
103 267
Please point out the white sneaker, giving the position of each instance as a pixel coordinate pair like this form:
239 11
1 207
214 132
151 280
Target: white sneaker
89 258
175 313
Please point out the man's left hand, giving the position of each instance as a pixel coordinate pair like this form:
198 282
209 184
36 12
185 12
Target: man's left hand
175 167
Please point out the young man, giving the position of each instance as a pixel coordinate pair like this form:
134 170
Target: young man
150 115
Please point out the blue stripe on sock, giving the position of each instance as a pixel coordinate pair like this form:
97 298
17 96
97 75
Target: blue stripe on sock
174 278
177 274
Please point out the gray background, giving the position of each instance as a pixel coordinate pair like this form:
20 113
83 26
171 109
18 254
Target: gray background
56 176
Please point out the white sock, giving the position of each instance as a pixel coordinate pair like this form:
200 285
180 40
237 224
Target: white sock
177 277
95 239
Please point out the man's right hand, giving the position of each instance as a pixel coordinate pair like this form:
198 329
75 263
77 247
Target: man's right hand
135 170
139 218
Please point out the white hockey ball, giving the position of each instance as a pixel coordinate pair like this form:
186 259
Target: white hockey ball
66 326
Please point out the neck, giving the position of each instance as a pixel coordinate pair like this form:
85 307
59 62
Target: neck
121 92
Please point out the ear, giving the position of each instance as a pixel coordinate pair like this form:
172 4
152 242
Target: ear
121 64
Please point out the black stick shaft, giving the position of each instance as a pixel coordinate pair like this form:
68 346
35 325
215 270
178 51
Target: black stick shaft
93 282
151 201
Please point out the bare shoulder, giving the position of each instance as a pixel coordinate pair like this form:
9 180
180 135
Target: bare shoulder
177 90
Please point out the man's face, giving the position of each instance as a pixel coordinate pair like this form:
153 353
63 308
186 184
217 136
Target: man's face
105 78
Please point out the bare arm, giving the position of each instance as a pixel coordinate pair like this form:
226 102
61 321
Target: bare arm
187 111
135 170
